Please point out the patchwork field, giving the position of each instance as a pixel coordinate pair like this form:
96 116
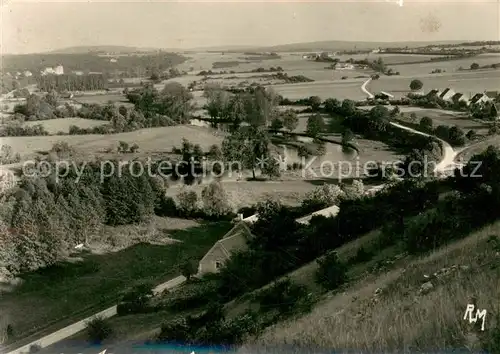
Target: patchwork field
149 140
53 126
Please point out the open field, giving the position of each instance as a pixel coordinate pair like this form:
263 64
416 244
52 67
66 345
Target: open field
60 292
466 82
101 99
463 121
344 89
450 66
148 139
356 318
53 126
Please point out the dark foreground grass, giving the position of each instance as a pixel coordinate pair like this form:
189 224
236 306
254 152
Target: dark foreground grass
68 292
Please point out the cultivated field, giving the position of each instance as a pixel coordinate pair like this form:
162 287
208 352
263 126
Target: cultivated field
342 89
53 126
448 65
149 140
465 82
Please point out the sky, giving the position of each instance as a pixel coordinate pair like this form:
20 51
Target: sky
37 26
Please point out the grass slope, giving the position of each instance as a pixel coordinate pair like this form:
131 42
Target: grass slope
385 311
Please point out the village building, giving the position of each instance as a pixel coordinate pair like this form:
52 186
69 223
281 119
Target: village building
447 94
479 98
460 97
234 241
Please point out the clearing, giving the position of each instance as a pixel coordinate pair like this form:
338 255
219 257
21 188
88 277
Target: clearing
150 140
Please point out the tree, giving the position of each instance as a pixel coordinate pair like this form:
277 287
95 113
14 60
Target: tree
98 329
315 102
426 124
271 168
290 120
474 66
347 136
187 201
215 153
248 146
215 201
277 124
188 269
175 102
331 272
395 112
413 117
323 196
416 84
315 125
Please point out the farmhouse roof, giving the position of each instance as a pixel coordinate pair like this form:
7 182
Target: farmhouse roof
447 93
476 97
491 94
434 92
236 239
327 212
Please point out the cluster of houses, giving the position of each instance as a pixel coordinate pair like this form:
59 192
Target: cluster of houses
448 95
57 70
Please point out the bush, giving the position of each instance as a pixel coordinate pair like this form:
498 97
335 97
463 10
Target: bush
331 272
286 297
490 340
136 301
98 329
362 256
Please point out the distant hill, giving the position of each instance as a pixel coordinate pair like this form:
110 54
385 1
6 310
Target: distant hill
344 45
116 49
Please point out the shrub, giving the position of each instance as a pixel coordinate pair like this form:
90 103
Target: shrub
215 201
362 256
136 301
331 273
490 340
187 202
98 329
285 296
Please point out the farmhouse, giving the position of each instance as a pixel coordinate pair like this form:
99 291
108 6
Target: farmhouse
234 241
327 213
433 93
447 94
494 95
460 97
479 98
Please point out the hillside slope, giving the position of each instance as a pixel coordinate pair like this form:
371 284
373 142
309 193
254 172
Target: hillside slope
395 310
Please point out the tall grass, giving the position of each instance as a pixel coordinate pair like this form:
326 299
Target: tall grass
399 319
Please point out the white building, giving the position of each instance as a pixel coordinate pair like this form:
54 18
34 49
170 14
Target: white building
344 66
28 73
59 70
